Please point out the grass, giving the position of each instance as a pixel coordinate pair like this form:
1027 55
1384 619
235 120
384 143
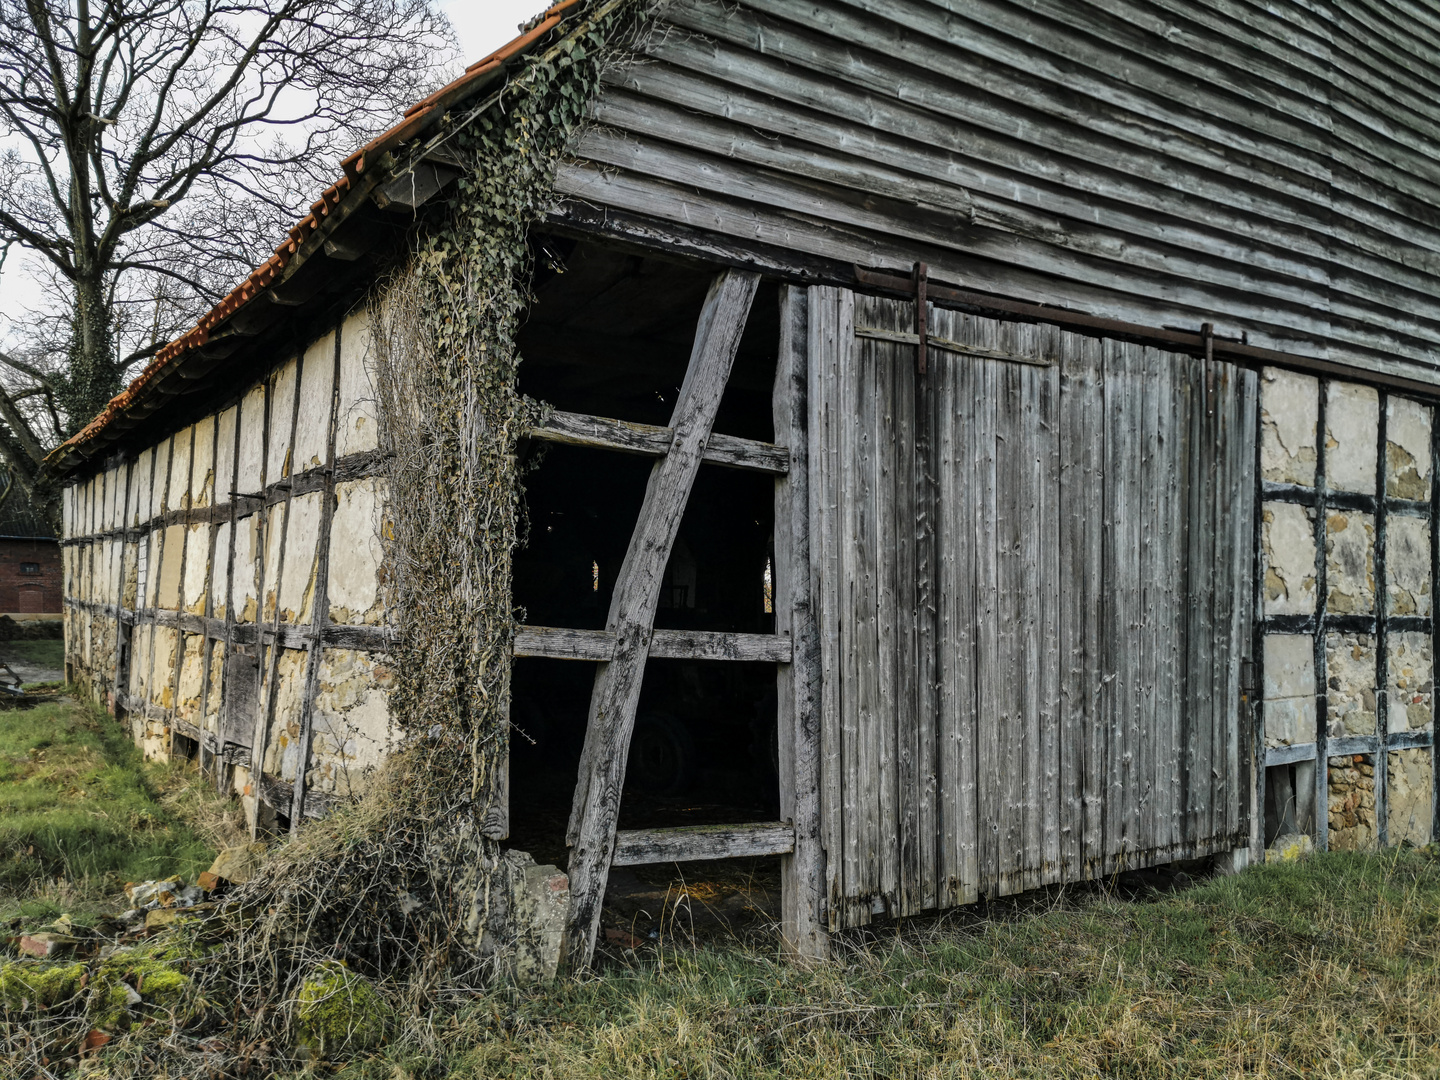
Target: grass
81 813
41 652
1324 968
1328 967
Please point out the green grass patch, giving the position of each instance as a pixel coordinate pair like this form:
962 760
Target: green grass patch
1328 967
81 812
45 653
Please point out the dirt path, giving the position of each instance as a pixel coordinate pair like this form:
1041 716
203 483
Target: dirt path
32 664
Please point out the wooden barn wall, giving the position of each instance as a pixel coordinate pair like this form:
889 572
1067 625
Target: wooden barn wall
223 584
1270 167
1034 593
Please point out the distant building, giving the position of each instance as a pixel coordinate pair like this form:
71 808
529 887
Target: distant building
30 573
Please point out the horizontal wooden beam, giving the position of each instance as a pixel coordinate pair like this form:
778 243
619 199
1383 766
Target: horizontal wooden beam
1288 755
603 433
357 466
1352 744
563 643
642 847
288 635
711 645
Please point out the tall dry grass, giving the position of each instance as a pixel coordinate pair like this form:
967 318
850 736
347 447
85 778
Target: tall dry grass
1326 968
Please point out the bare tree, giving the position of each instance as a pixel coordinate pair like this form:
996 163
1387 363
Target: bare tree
152 151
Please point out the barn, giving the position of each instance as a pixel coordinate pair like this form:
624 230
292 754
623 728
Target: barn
975 446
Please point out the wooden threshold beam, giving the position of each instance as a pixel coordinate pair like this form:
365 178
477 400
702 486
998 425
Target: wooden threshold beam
562 643
603 433
643 847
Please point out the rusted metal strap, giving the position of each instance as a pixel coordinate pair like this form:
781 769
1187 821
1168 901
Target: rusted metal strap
1187 341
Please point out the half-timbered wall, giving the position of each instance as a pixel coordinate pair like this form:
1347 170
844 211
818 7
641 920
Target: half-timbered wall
223 584
1349 573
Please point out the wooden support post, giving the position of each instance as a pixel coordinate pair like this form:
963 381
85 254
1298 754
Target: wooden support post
802 872
320 617
174 711
119 681
591 834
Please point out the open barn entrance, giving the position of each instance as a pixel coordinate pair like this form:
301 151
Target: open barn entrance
610 335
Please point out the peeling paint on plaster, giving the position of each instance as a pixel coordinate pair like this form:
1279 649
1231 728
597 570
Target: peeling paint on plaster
1350 562
1352 425
1407 565
1288 538
1409 701
1407 449
1289 689
1288 409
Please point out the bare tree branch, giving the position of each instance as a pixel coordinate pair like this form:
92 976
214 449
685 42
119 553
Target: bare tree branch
157 150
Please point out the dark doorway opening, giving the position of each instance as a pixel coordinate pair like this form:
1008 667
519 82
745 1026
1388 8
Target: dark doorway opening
610 335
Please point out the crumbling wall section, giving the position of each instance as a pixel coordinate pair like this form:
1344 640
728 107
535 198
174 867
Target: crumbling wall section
1347 603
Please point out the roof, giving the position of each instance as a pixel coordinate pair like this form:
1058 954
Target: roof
360 175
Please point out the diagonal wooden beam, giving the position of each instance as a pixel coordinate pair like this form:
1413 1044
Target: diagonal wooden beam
591 835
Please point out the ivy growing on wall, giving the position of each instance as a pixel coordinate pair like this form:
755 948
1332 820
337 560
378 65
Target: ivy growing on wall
398 885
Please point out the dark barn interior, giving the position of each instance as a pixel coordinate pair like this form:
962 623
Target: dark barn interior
609 334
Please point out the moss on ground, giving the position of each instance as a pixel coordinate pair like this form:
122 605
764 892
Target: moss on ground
27 985
340 1010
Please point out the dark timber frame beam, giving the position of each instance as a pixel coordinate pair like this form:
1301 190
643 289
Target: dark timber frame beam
616 694
602 433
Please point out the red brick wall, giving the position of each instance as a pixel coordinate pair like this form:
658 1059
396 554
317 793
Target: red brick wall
22 592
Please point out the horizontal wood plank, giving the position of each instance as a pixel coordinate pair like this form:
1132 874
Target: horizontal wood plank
563 643
1288 755
642 847
652 440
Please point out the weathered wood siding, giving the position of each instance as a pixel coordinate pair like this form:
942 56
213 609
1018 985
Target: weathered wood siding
1033 581
1269 167
223 584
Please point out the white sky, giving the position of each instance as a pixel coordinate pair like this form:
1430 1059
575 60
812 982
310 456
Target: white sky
482 27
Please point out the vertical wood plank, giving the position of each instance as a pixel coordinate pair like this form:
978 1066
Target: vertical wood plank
1051 791
184 534
1147 642
899 548
1028 670
824 336
157 544
989 700
320 615
927 682
1243 436
802 872
893 559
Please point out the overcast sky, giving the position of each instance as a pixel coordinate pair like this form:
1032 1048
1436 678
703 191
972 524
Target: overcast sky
482 27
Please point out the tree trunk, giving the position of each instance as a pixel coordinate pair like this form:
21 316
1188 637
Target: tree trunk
94 377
